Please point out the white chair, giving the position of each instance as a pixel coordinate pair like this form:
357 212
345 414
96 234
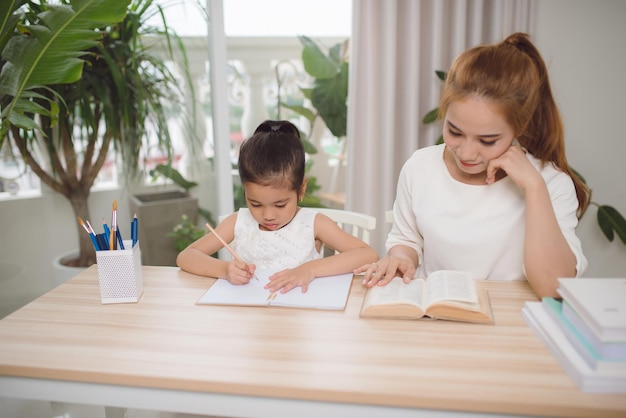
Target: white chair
358 224
389 216
388 220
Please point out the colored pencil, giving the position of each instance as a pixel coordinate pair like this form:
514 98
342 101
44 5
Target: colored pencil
225 244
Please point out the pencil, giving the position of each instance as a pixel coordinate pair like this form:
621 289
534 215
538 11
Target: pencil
107 233
87 227
113 238
225 244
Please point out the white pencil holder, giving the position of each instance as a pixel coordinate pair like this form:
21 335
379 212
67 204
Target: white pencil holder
119 274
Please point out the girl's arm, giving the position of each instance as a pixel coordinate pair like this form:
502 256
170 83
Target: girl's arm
197 259
353 253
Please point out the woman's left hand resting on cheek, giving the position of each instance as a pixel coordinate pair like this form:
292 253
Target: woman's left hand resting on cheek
515 164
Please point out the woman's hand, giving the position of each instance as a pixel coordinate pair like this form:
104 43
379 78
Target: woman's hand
381 272
288 279
515 164
238 272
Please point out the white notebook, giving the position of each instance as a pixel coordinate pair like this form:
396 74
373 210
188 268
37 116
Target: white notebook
329 292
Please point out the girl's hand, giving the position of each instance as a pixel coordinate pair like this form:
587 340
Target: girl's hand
288 279
239 272
381 272
515 164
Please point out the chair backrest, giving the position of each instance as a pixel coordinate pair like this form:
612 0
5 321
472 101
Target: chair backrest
358 224
389 216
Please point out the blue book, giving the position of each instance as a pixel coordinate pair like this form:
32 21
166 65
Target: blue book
586 350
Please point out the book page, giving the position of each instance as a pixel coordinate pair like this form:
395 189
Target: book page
329 292
450 285
222 292
396 292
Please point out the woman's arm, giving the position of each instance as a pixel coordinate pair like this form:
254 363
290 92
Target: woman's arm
547 254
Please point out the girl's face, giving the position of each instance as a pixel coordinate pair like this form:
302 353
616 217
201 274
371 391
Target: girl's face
272 207
474 133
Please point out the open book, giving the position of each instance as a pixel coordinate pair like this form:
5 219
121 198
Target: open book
446 294
323 293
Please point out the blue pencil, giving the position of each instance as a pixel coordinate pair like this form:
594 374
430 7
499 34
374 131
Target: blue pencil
107 233
134 229
120 242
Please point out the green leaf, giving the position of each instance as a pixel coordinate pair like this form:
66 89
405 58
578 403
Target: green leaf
52 51
431 116
206 214
8 20
25 122
309 148
301 110
329 98
174 175
316 63
33 57
307 92
441 75
610 221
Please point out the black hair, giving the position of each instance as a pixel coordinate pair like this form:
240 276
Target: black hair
273 156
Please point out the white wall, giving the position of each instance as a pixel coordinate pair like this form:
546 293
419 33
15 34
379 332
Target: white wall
582 42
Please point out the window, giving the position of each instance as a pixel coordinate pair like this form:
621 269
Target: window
245 19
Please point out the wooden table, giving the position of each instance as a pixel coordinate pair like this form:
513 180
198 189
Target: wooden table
167 353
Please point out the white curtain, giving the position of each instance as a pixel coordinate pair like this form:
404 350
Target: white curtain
396 47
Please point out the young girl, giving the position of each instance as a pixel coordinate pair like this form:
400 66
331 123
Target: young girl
497 198
273 232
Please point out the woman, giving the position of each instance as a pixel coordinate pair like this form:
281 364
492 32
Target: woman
498 198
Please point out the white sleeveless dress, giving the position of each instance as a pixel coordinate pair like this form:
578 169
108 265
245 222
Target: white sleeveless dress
288 247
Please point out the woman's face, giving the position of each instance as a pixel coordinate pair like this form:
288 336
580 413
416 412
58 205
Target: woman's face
474 133
272 207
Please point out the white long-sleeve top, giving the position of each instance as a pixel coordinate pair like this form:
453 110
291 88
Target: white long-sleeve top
477 228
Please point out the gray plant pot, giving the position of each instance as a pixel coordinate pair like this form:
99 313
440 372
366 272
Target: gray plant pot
158 213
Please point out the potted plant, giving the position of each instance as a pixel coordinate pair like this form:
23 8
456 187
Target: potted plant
78 83
328 96
169 216
329 92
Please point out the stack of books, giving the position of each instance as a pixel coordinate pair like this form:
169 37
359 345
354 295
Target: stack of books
585 331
